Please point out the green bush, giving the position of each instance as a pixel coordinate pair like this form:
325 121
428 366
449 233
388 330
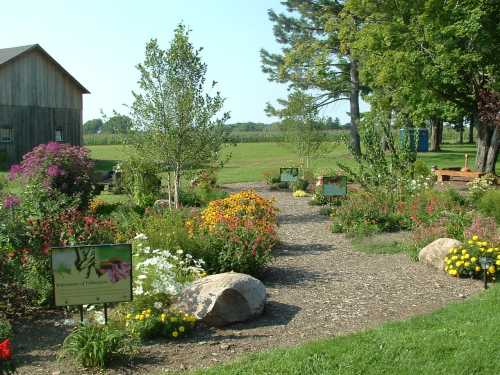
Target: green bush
96 345
489 204
140 181
5 329
300 184
421 169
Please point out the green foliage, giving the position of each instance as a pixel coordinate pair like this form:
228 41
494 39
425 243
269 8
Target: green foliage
489 204
140 180
377 168
421 169
96 346
178 121
5 329
479 186
300 184
149 323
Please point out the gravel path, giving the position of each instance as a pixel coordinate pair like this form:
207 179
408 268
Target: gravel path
317 287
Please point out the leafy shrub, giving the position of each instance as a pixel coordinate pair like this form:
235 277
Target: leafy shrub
489 204
5 329
96 345
421 169
300 184
367 213
318 198
158 322
479 186
464 261
325 211
61 167
271 177
483 227
236 233
140 181
283 185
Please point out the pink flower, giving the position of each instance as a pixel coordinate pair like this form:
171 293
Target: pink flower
11 201
53 170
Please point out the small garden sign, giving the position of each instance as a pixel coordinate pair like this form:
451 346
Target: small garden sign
289 174
335 186
92 274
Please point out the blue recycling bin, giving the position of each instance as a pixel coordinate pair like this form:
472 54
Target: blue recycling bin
422 135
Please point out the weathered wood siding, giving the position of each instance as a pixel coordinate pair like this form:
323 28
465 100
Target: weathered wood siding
35 125
33 80
36 98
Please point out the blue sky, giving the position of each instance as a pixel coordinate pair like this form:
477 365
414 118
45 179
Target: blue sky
100 42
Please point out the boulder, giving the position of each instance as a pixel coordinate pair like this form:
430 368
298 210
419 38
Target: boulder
434 253
224 298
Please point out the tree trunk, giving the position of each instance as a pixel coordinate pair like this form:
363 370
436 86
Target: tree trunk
471 130
177 186
487 146
169 187
354 101
436 124
461 130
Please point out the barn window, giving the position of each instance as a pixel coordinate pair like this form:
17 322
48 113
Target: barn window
59 135
6 135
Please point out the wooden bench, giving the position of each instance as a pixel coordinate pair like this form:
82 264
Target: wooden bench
446 174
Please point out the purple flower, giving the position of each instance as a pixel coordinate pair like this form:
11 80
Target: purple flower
53 170
11 201
14 171
53 147
117 271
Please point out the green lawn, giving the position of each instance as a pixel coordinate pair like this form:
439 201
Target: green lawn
462 338
249 160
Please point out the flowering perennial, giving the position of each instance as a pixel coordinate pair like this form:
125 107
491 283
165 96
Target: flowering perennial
464 261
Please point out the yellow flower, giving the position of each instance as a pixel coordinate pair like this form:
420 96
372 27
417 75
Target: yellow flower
137 316
484 243
473 259
466 264
475 238
478 269
453 272
162 317
498 262
448 262
175 334
470 242
454 257
466 256
464 252
141 317
128 316
454 250
490 250
446 259
491 269
181 329
459 263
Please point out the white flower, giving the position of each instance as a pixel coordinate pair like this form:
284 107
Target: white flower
142 277
180 251
99 317
140 237
158 305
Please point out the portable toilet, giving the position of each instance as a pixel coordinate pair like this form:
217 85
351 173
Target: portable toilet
422 141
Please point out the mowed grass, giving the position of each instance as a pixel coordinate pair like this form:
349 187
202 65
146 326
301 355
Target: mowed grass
460 339
249 161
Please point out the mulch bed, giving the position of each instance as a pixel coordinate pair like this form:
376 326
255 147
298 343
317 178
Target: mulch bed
318 287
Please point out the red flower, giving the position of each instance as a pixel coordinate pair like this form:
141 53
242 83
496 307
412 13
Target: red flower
5 350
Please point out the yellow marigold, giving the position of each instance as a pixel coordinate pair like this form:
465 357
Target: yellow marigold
478 268
95 204
475 238
491 269
175 334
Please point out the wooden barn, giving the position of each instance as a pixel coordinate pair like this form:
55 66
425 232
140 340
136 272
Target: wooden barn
39 102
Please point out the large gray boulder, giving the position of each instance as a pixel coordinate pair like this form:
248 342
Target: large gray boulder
434 253
224 298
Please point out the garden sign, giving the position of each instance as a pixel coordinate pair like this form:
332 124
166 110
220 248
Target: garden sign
289 174
335 186
93 274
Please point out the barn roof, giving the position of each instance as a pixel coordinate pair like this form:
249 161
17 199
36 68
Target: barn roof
8 55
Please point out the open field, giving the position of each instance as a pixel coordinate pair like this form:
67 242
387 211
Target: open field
249 160
462 338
